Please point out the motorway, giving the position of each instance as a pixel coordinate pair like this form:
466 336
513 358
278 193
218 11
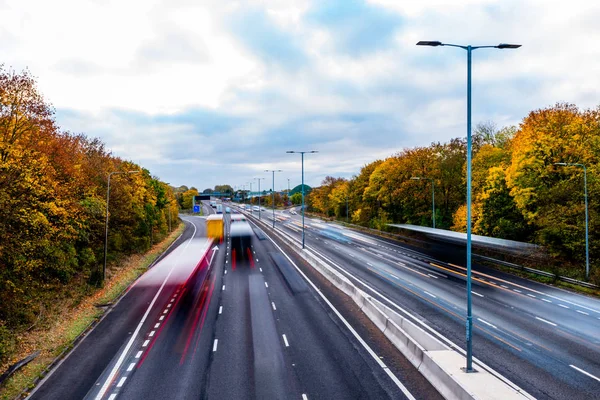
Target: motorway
542 338
205 322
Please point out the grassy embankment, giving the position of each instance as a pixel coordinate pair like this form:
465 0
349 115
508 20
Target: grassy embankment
72 315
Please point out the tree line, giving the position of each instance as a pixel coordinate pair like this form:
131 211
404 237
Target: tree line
53 188
519 192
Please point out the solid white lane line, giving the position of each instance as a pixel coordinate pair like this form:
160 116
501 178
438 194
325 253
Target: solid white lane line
285 341
546 300
563 306
215 345
221 310
266 284
112 396
543 320
584 372
274 308
349 327
157 325
581 312
145 343
487 323
122 381
131 366
531 295
477 294
151 334
432 295
139 354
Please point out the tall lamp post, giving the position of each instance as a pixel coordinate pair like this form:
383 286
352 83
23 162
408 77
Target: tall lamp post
273 191
250 197
106 224
302 154
469 49
587 245
259 195
418 178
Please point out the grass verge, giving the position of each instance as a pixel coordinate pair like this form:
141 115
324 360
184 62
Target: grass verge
57 337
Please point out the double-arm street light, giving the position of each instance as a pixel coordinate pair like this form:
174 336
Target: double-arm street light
302 154
469 49
273 191
419 178
106 224
587 245
259 195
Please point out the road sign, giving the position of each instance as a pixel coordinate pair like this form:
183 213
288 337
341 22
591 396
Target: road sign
196 209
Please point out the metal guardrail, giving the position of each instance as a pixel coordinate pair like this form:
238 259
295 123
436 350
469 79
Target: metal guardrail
538 272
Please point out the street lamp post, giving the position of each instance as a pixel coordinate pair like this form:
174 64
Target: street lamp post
302 154
259 195
106 224
347 209
469 49
418 178
250 197
587 245
273 191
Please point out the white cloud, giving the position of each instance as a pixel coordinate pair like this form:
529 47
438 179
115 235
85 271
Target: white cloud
180 86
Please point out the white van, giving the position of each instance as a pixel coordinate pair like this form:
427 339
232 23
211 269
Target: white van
219 208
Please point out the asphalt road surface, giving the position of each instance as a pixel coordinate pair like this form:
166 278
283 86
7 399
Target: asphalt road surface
544 339
208 322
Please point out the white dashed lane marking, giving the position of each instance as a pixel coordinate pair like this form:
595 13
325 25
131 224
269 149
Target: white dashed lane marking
139 354
543 320
131 366
285 341
432 295
215 345
145 343
477 294
122 381
585 372
221 310
487 323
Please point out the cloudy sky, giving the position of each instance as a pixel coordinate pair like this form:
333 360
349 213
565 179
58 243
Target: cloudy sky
205 92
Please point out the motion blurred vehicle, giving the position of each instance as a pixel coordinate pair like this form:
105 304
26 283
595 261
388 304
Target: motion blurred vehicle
241 238
255 208
238 218
227 210
334 234
213 203
214 226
